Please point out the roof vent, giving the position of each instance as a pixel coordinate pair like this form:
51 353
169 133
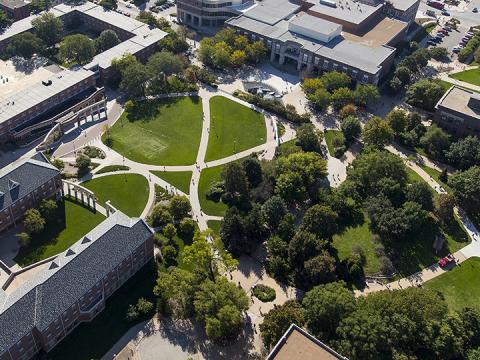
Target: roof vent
53 265
86 240
70 252
47 82
330 3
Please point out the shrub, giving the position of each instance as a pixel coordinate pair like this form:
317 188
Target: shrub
215 192
23 238
264 293
93 152
132 313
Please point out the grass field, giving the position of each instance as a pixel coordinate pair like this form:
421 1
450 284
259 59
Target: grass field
214 225
207 178
179 179
435 174
72 222
358 234
233 128
460 286
93 339
112 168
330 135
159 132
471 76
127 192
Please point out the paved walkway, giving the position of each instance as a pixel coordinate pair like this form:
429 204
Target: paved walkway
445 77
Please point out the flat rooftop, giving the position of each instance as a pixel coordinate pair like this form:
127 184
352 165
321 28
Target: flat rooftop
37 93
380 34
271 11
317 24
12 4
349 11
403 5
297 344
458 99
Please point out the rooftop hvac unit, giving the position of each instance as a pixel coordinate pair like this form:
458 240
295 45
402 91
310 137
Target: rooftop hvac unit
330 3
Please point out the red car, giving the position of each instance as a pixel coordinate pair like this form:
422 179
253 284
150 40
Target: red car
446 261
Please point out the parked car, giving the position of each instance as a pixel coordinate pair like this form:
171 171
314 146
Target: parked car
475 10
445 13
431 42
446 261
456 49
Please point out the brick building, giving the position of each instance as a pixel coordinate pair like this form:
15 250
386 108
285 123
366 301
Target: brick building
354 37
23 185
458 111
16 9
39 309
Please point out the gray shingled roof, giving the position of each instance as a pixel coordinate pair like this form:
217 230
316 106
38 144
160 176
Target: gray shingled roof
29 174
51 291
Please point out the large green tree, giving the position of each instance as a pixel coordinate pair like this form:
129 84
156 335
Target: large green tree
309 138
466 188
435 141
49 28
106 40
25 45
134 80
424 94
77 48
377 132
464 153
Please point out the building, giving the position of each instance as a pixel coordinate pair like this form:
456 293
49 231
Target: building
209 13
297 344
16 9
43 303
23 185
458 111
354 37
44 100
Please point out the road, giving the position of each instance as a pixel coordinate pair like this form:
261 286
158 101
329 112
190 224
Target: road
463 12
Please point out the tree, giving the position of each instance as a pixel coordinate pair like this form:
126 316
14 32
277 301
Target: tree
371 168
310 85
25 45
325 306
438 53
144 307
377 132
169 231
82 163
221 55
37 6
238 58
160 215
132 313
321 98
341 97
49 28
236 182
274 209
420 193
33 221
4 20
48 209
77 48
443 207
303 246
320 220
179 207
466 188
164 62
109 4
187 228
403 74
334 80
205 257
366 95
309 138
319 270
134 80
256 51
219 305
277 321
23 238
176 289
106 40
397 119
351 128
232 231
424 94
253 171
435 141
464 153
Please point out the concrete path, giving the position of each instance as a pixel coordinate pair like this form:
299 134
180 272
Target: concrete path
445 77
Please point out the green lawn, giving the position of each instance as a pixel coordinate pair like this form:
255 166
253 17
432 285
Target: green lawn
112 168
471 76
72 222
207 178
460 286
179 179
330 135
358 234
127 192
92 340
447 85
214 225
435 174
159 132
233 128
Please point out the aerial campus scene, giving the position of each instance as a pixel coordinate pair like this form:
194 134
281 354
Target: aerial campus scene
239 179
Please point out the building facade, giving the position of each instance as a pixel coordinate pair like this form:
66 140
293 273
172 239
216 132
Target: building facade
23 185
356 38
16 9
209 13
38 311
458 112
